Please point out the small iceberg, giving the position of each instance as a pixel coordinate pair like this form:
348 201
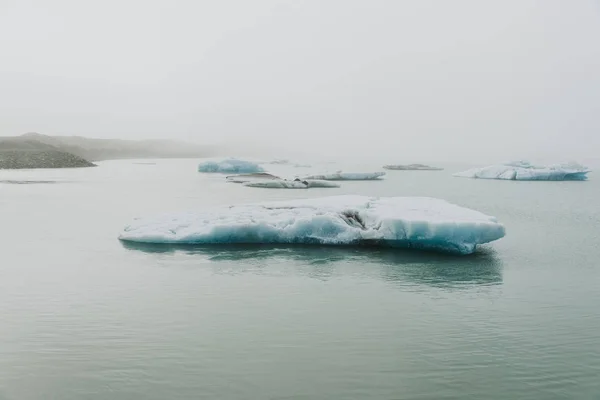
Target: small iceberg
277 162
295 184
243 178
347 176
402 222
412 167
524 171
230 165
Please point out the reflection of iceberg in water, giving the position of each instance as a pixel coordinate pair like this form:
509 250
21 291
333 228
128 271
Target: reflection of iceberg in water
391 265
481 268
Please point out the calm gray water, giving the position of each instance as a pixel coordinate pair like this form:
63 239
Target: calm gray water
84 317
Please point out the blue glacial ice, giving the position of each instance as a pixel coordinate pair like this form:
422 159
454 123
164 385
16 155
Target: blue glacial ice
403 222
230 166
524 171
347 176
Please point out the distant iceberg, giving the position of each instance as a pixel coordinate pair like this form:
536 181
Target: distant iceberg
524 171
295 184
277 162
412 167
230 165
268 181
254 177
347 176
403 222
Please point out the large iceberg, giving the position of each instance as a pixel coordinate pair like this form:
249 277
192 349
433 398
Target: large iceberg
230 165
295 184
524 171
347 176
404 222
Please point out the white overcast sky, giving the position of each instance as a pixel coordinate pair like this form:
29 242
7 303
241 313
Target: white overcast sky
420 79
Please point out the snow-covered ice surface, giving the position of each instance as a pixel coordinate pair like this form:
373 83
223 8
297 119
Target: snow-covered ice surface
347 176
230 165
287 184
524 171
404 222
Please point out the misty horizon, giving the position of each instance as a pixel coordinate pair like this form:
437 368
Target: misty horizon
401 82
299 199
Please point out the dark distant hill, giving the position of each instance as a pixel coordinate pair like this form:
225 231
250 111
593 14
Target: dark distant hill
111 149
22 153
34 150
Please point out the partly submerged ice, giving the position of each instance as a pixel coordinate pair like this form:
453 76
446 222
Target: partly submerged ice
295 184
406 222
268 181
524 171
347 176
230 165
254 177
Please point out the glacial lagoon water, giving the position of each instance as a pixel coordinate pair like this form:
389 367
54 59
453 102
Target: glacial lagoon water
84 316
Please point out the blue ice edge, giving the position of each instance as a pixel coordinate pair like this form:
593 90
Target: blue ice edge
397 222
